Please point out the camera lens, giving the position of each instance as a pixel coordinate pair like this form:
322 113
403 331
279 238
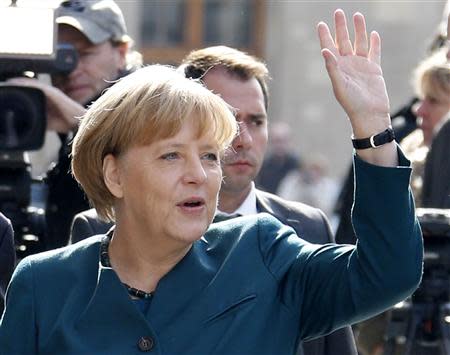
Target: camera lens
22 118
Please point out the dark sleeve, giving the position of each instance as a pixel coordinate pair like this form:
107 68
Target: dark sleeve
7 253
81 229
330 286
18 330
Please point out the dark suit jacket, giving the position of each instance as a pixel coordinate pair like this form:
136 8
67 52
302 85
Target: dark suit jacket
86 224
7 255
308 222
436 184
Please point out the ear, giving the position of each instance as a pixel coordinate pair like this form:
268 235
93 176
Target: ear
112 176
122 51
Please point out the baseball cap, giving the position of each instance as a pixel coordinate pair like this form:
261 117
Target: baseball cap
98 20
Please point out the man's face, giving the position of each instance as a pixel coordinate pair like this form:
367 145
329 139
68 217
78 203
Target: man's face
242 162
97 64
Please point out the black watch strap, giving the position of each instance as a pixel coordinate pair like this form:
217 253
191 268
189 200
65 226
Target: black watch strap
374 141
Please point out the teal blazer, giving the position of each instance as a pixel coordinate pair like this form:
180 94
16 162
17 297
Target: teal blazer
248 286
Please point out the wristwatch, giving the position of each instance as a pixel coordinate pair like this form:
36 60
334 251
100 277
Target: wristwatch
374 141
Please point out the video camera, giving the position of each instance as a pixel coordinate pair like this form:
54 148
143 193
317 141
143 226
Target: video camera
421 324
23 113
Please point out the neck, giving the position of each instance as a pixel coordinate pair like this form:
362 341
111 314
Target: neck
141 263
230 201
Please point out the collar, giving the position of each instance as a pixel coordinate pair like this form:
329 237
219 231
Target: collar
248 206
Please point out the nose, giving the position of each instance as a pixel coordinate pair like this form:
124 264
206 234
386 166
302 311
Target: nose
244 139
421 109
76 70
195 172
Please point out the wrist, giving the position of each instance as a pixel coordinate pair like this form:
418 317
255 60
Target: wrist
369 125
374 140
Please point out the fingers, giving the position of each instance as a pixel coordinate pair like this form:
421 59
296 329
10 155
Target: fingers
361 46
342 45
326 41
342 37
375 48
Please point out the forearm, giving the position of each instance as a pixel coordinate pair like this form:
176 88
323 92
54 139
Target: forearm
389 251
346 285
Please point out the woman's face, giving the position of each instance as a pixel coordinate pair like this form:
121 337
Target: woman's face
431 111
168 190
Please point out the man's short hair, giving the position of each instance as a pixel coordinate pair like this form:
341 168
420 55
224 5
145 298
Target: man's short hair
148 105
98 20
198 62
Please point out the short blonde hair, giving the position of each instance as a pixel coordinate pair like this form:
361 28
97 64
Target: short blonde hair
432 76
148 105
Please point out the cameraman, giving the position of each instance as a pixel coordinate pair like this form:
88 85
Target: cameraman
97 30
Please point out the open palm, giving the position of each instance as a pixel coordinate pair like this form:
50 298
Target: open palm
355 73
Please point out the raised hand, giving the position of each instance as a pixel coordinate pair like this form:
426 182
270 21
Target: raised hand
357 79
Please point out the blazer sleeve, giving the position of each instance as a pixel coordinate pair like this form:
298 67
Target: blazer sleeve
329 286
18 330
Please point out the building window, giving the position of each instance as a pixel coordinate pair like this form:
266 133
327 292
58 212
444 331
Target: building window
228 22
163 22
172 28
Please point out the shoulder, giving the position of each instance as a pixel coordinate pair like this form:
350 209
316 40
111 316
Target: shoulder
249 236
244 224
5 226
231 231
86 224
286 208
73 257
309 223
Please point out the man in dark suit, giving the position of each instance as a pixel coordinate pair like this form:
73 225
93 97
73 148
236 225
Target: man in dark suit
7 255
240 80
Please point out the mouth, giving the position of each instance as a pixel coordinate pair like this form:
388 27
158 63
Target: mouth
240 163
192 204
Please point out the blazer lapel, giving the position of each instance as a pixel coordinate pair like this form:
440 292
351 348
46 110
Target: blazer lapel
110 304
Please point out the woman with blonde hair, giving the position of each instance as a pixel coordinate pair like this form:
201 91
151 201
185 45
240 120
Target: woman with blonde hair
148 156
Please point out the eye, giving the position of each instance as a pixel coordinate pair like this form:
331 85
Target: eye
87 52
170 156
211 157
257 121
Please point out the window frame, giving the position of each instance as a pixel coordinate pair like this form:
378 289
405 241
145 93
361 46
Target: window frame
194 35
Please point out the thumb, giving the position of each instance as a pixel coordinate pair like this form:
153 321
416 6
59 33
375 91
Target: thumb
330 62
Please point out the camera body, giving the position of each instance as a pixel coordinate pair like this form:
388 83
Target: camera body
23 114
420 324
